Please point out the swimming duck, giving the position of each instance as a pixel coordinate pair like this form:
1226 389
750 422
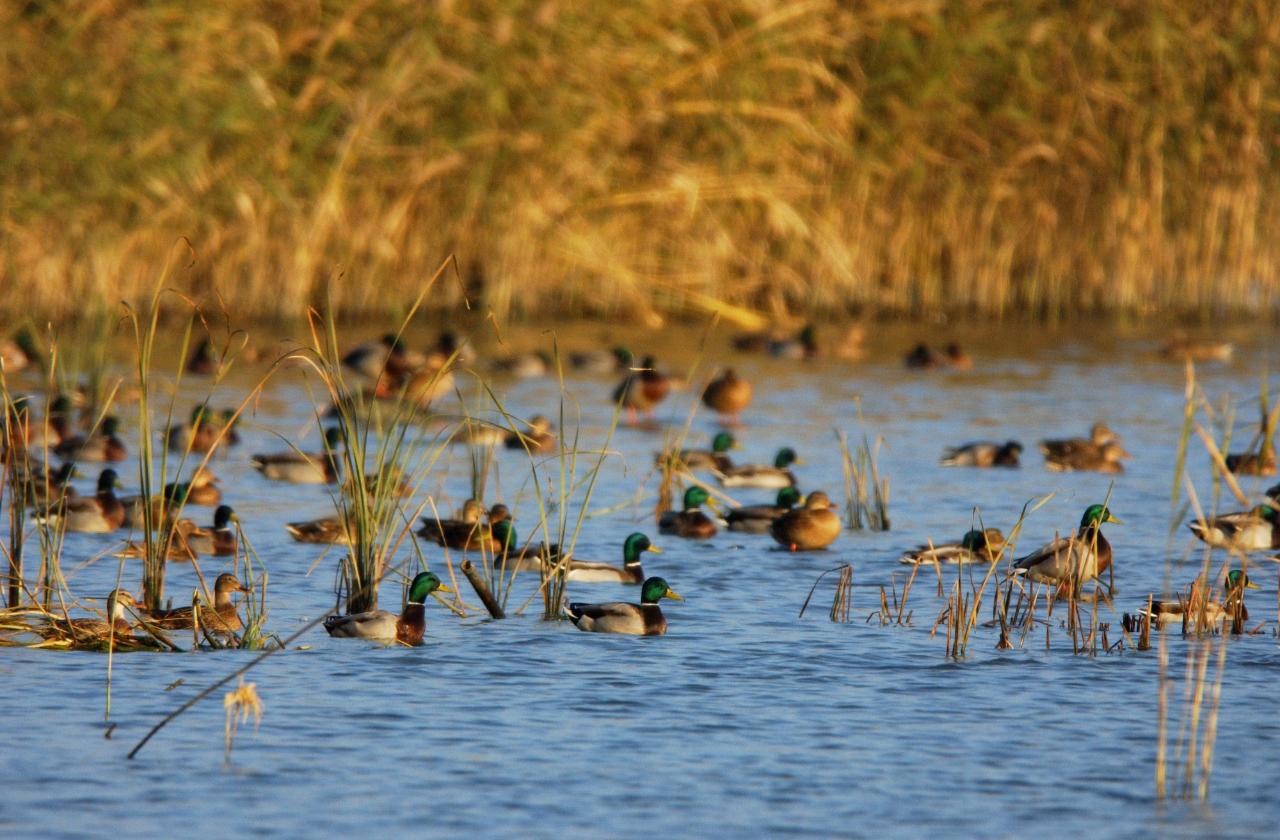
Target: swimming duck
1087 552
1253 530
385 356
467 533
100 513
202 432
176 548
758 475
808 528
643 619
728 395
802 345
1183 348
759 519
45 487
89 630
922 358
538 437
983 454
631 571
427 385
1262 462
19 352
974 547
642 390
303 468
408 628
223 618
691 522
526 365
201 490
102 446
1104 459
1170 612
203 360
218 541
1065 449
616 360
954 357
42 434
702 459
328 530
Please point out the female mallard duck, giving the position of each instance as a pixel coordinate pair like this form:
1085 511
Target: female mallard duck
1064 448
100 513
728 396
616 360
702 459
1169 612
408 628
525 365
643 619
642 390
808 528
467 533
218 541
89 630
1251 530
201 490
427 385
1183 348
223 618
1262 462
1080 557
758 475
975 547
300 467
691 522
20 351
759 519
480 433
176 549
203 431
537 438
102 446
1104 459
983 454
631 571
328 530
46 433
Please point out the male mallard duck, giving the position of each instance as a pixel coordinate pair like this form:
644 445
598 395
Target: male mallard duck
702 459
203 431
87 630
616 360
691 522
643 619
759 519
758 475
810 527
728 395
407 628
1086 554
537 437
631 571
975 547
201 490
642 389
982 454
327 530
100 513
204 359
1252 530
102 446
223 618
1170 612
303 468
19 352
218 541
467 533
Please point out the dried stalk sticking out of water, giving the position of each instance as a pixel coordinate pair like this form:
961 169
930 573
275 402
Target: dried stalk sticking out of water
840 602
866 493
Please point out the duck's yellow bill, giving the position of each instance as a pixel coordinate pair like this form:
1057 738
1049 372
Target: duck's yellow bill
671 593
1250 585
654 549
1111 518
444 587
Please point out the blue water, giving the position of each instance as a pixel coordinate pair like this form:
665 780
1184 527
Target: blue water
744 719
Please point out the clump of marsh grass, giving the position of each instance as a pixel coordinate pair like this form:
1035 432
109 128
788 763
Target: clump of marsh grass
866 492
842 596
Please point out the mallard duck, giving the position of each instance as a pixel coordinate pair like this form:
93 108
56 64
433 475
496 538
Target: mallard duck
642 390
388 355
46 488
702 459
974 547
954 357
616 360
327 530
759 519
100 513
525 365
691 522
538 437
758 475
19 352
102 446
88 630
1182 348
303 468
467 533
1169 612
218 541
1262 462
201 490
803 345
47 433
203 431
223 618
1086 554
922 358
1252 530
1064 449
176 549
631 571
808 528
407 628
643 619
728 395
427 385
983 454
203 360
1105 459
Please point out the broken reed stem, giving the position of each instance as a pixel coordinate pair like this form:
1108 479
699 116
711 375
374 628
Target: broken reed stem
482 589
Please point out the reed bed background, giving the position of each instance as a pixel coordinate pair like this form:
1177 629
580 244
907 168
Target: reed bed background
883 156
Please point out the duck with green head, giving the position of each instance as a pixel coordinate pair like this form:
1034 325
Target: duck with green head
468 533
1204 612
303 468
642 390
758 475
104 445
715 458
809 528
975 547
691 522
1252 530
643 619
631 571
220 540
408 628
759 519
1077 558
100 513
223 618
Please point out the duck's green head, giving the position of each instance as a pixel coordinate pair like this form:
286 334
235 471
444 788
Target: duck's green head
654 589
788 497
695 497
111 426
636 544
108 481
809 337
723 442
1238 580
61 405
504 534
623 355
1095 515
176 494
1266 512
423 585
26 343
223 517
974 541
198 415
333 437
786 457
